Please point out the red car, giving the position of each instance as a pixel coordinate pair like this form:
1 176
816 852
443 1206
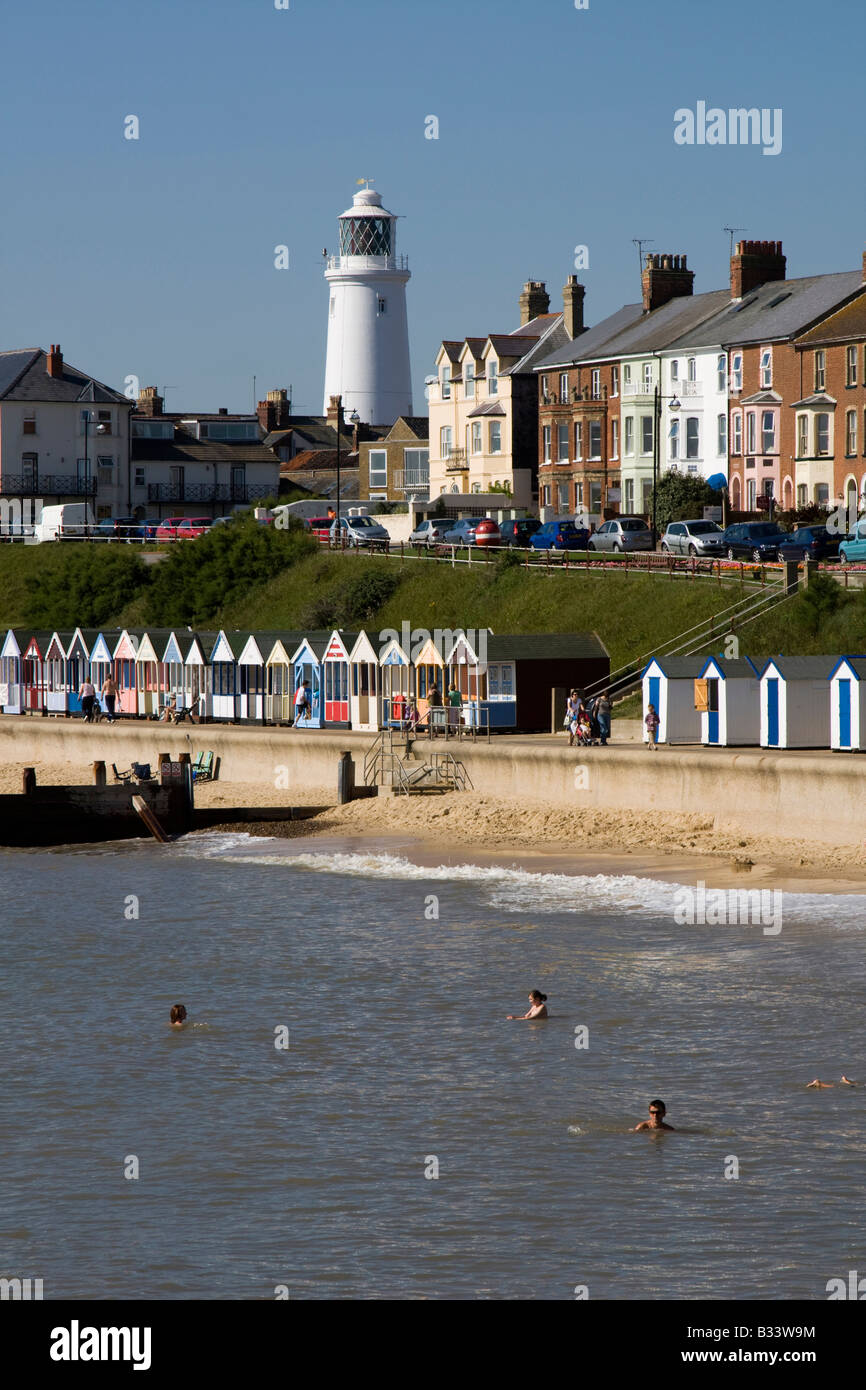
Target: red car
179 528
321 527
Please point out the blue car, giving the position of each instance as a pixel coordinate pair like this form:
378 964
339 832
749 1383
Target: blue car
560 535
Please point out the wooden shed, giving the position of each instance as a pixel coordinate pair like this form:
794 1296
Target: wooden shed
848 704
727 697
669 685
795 701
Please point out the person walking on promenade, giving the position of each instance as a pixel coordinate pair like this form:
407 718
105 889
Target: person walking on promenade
602 714
109 695
303 705
652 722
434 705
87 696
455 705
573 706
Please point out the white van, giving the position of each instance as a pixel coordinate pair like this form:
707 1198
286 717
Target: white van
69 521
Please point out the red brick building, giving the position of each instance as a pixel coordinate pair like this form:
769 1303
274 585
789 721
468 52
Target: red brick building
827 419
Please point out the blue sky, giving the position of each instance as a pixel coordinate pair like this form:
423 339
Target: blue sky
155 257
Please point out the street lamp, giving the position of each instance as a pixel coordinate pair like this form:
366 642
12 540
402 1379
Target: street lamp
354 419
658 397
100 429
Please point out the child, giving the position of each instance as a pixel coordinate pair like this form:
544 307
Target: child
652 722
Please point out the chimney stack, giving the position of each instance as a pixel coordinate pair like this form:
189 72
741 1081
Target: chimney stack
665 277
334 416
755 263
534 300
55 360
864 267
572 300
150 402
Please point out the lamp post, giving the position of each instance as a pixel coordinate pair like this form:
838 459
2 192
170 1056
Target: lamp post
100 429
658 397
355 419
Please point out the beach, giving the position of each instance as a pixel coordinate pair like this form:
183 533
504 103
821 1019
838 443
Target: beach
471 827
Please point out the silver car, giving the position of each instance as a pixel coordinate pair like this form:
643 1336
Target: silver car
625 533
430 532
693 538
361 530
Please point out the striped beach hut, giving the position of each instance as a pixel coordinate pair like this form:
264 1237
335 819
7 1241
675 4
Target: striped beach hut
364 704
307 661
11 682
727 696
669 685
35 671
335 678
848 705
795 701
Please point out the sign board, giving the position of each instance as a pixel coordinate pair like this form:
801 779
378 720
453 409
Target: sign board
712 514
171 772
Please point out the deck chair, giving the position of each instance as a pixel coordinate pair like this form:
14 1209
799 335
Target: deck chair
121 776
141 772
196 764
204 771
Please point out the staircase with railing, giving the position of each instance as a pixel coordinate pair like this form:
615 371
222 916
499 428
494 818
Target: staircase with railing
392 761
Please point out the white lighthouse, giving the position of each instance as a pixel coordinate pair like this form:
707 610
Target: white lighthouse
368 335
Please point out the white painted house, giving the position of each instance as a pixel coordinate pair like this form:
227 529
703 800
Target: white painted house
732 715
795 702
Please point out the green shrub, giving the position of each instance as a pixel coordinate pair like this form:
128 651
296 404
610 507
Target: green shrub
84 586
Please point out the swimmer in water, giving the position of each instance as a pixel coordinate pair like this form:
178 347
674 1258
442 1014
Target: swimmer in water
178 1015
828 1085
537 1007
657 1112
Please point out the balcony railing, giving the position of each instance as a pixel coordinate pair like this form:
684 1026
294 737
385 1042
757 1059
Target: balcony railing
456 461
412 479
368 263
209 492
687 388
638 388
47 485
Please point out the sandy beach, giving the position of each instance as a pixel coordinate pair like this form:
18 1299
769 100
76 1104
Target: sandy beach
468 827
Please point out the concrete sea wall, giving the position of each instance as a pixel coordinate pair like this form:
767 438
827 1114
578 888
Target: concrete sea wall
796 794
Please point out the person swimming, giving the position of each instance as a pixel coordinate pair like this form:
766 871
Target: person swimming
828 1085
178 1015
537 1007
657 1112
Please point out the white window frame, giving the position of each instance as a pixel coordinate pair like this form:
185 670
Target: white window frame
445 382
722 373
469 381
495 447
722 435
594 455
628 444
737 434
614 439
693 437
820 369
737 372
477 446
771 432
545 443
595 383
446 442
492 377
563 387
851 432
766 368
614 381
644 421
562 428
380 479
578 440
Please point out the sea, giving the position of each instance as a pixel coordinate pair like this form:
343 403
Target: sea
349 1115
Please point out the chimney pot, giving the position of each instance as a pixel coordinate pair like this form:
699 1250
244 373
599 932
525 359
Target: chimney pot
665 276
756 263
534 300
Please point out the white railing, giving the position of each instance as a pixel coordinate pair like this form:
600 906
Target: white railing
412 480
637 388
367 263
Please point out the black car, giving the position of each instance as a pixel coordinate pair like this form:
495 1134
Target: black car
753 540
810 543
519 532
120 528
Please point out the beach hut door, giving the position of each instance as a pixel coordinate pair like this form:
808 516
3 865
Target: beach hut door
713 711
773 713
654 693
844 714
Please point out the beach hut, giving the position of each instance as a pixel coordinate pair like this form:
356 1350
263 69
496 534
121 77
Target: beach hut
469 673
524 671
198 678
35 672
364 704
669 685
148 682
307 666
251 676
11 683
124 659
396 682
101 664
172 671
428 660
727 698
78 664
795 701
279 686
848 705
335 678
57 683
223 662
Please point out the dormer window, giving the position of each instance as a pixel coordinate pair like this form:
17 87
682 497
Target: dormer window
446 383
492 377
469 380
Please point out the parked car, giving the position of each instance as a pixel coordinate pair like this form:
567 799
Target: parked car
63 522
693 538
321 527
625 533
853 546
429 532
754 540
519 532
560 535
180 528
462 532
151 526
810 543
120 528
487 532
361 530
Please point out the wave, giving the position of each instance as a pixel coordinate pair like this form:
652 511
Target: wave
521 890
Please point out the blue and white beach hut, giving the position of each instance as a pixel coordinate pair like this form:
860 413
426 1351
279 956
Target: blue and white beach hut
11 671
78 664
795 701
848 705
396 683
733 713
669 685
307 666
